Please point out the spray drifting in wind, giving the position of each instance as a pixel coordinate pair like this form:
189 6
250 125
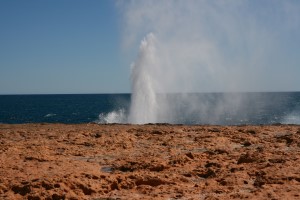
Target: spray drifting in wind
208 47
205 46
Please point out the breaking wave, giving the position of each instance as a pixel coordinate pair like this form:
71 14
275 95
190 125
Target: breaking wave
118 116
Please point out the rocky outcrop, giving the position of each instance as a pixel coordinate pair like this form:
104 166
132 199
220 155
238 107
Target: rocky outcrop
155 161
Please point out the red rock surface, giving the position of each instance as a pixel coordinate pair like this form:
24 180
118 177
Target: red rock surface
90 161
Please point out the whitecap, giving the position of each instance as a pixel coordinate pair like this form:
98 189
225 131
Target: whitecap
50 115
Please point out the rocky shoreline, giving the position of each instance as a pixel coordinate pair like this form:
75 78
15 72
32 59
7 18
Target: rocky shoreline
155 161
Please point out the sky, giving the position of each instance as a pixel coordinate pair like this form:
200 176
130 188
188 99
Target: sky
87 46
60 46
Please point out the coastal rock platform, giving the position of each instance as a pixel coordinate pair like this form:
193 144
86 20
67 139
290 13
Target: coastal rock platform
154 161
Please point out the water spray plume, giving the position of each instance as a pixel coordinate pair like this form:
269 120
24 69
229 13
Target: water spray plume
144 107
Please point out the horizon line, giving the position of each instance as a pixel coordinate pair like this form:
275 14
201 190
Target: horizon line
122 93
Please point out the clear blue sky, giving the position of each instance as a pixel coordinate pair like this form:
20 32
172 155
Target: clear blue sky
60 46
86 46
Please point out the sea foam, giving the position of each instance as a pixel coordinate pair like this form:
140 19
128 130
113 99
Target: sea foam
118 116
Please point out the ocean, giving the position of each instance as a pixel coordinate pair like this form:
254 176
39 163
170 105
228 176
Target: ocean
192 108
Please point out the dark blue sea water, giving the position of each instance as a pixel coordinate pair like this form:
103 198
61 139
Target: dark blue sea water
200 108
78 108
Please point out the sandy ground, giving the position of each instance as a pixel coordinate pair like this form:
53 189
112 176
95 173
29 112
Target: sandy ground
90 161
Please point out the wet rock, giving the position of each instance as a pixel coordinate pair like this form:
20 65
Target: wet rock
107 169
